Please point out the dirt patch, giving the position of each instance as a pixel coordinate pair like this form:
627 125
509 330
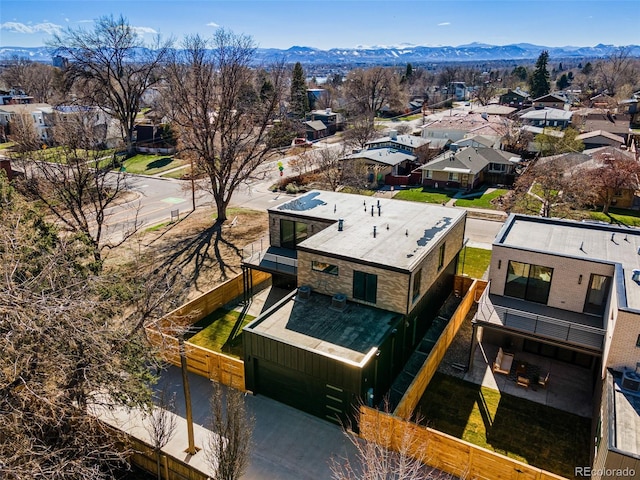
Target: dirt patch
195 252
458 351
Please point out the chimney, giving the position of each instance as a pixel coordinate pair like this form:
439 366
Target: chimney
328 111
393 134
340 224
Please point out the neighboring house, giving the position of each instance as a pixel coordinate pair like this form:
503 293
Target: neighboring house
15 96
551 100
547 117
459 90
571 291
600 138
39 114
632 108
371 273
106 129
315 130
416 146
603 100
479 141
468 168
314 95
334 121
455 127
379 166
597 119
493 109
515 98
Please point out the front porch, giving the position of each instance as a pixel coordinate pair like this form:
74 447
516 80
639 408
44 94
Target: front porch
569 388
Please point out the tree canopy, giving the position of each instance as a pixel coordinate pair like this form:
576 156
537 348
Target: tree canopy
539 80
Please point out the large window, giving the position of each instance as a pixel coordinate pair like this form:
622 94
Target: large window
441 256
365 286
324 267
292 233
529 282
597 294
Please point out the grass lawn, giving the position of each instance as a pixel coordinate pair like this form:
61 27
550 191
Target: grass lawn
5 145
476 261
530 432
630 218
151 164
214 332
424 195
178 174
483 201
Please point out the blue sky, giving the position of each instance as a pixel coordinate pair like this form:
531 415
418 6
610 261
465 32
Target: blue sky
327 24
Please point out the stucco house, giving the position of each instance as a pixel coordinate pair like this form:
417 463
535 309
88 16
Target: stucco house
370 275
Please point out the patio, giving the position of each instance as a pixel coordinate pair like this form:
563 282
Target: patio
568 389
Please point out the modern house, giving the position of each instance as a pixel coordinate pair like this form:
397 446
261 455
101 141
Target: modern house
570 291
467 168
40 115
334 121
416 146
370 275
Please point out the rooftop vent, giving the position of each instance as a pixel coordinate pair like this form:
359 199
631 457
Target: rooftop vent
304 292
630 381
339 302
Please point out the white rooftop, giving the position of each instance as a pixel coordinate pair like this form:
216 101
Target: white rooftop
405 231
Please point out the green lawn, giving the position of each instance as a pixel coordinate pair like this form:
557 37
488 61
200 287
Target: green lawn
476 261
5 145
177 173
530 432
630 218
425 194
151 164
483 201
214 332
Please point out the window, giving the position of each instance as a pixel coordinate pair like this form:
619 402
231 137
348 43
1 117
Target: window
365 286
529 282
597 295
441 256
417 276
453 177
638 341
292 233
324 267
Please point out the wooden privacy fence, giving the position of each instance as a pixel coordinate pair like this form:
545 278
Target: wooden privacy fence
444 452
201 361
416 389
172 468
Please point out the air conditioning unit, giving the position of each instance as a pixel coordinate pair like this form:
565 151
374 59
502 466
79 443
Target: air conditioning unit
339 302
304 292
631 381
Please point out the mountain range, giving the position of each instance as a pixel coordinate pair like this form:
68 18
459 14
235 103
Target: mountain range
389 55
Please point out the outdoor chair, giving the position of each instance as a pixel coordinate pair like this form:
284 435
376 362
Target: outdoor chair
543 381
523 381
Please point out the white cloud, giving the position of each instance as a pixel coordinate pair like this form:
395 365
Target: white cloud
143 30
67 20
17 27
444 24
212 24
84 21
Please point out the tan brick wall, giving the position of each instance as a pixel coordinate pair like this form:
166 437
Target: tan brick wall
313 226
393 287
623 351
565 291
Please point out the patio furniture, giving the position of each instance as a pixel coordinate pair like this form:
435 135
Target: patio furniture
521 368
543 381
523 381
503 362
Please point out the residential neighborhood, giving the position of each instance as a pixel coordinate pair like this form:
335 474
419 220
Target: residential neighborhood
219 266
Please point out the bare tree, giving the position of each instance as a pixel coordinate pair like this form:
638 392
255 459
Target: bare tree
112 67
485 92
222 120
36 79
618 69
77 182
616 172
229 444
369 90
360 131
64 348
161 425
328 163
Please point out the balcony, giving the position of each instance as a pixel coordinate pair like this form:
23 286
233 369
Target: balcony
262 256
541 321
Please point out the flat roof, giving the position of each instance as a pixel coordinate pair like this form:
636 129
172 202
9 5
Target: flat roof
311 324
583 240
626 411
385 156
405 231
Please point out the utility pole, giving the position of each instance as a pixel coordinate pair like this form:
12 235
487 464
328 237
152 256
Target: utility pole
191 449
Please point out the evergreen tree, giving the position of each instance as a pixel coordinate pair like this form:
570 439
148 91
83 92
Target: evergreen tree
563 82
299 102
539 81
588 69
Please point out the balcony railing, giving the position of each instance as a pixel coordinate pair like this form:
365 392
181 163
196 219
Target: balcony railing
262 255
539 325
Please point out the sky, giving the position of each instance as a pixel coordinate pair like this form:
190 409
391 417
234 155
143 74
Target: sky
326 24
